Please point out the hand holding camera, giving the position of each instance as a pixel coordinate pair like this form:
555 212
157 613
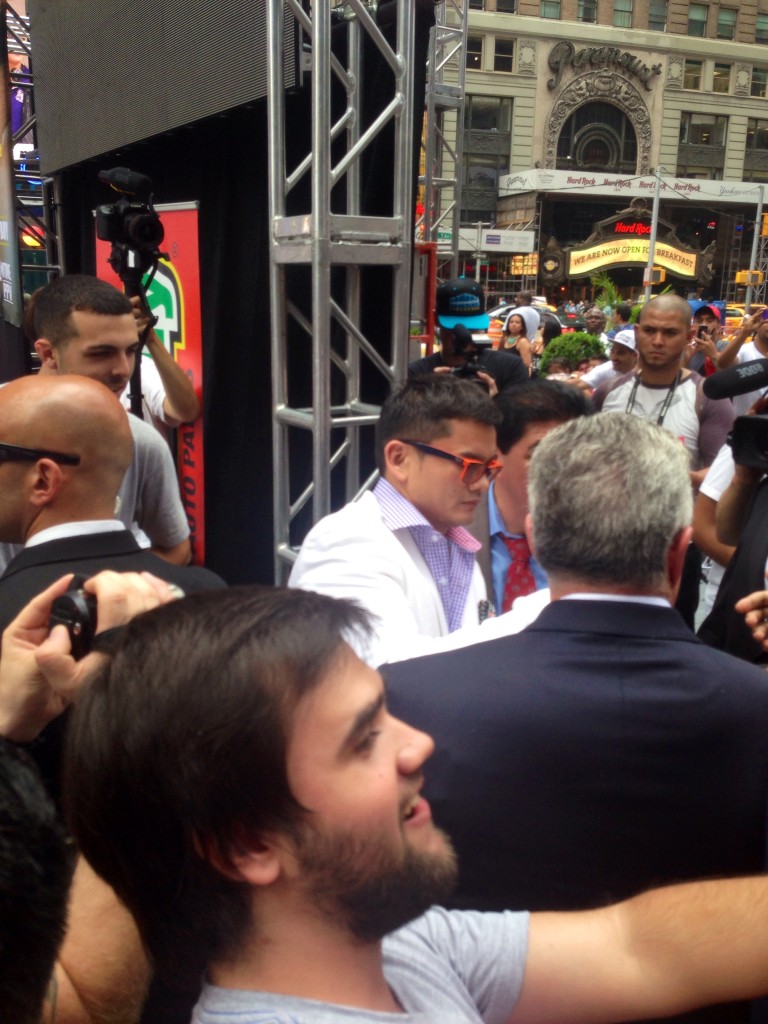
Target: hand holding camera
39 673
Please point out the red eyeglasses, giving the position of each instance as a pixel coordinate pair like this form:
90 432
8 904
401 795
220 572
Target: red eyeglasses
472 470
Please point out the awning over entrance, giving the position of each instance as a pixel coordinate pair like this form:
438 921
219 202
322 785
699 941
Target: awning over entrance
616 185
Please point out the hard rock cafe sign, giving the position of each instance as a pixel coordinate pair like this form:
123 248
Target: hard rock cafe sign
600 58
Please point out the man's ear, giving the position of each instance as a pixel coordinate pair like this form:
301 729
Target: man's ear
252 860
47 353
396 459
45 482
678 550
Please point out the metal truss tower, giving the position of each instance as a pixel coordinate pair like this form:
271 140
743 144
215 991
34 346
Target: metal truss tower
334 236
444 133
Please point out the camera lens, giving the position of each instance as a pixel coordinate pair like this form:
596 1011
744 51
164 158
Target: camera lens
144 229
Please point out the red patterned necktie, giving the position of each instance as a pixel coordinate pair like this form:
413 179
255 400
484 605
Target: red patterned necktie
520 579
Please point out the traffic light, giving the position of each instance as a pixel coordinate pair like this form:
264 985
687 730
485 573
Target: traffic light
764 228
750 277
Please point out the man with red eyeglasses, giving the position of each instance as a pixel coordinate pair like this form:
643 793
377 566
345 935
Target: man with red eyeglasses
402 550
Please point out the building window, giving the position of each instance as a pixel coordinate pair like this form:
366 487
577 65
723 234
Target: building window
722 79
487 114
703 129
759 85
697 19
692 75
487 144
757 134
503 54
549 8
761 28
474 54
587 11
477 5
622 13
726 23
657 15
506 6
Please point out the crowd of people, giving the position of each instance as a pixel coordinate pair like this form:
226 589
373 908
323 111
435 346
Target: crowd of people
224 810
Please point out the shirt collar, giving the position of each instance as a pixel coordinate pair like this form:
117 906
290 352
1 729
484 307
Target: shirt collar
75 530
399 514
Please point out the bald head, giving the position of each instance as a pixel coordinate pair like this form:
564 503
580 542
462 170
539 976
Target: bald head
671 305
68 415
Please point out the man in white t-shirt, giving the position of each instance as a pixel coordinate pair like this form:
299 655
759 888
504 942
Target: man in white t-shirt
622 359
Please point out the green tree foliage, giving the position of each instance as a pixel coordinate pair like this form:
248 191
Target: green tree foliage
573 347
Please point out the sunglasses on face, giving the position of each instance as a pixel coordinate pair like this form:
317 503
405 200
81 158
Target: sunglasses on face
14 453
472 470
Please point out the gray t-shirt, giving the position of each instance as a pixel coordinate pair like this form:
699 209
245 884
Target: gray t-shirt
448 966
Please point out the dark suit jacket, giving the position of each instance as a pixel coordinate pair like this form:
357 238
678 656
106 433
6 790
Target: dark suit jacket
35 568
601 751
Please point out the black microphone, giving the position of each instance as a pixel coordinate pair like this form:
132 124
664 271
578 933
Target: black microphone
737 380
124 180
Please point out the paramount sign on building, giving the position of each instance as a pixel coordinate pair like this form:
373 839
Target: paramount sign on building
540 180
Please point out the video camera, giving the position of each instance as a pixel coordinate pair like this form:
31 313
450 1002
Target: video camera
132 225
749 441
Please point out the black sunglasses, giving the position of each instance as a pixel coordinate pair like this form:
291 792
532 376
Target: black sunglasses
14 453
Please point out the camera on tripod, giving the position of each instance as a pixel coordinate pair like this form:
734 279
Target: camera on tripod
131 224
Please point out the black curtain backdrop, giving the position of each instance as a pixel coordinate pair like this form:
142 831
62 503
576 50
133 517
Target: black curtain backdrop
222 163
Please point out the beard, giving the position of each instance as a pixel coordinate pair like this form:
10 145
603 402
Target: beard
368 887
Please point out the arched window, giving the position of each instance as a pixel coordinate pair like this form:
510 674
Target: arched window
598 137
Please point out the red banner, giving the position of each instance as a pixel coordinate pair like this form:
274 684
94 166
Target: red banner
174 298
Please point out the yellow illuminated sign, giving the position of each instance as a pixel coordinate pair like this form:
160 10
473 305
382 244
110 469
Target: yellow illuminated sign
630 252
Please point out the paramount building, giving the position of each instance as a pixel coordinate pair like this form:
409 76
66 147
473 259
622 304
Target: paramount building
572 105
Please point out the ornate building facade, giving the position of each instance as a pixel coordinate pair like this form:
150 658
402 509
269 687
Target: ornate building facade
573 105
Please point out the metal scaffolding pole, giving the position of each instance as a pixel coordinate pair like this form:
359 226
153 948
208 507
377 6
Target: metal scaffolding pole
443 143
333 244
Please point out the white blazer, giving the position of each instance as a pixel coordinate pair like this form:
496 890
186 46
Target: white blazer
352 554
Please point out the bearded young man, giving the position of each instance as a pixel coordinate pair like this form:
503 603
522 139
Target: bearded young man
235 775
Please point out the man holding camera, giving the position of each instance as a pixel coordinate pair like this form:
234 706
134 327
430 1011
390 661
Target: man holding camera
85 326
460 308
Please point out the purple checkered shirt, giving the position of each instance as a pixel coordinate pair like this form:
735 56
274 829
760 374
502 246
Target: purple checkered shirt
450 557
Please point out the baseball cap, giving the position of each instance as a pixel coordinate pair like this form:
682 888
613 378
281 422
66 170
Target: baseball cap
712 310
461 301
626 338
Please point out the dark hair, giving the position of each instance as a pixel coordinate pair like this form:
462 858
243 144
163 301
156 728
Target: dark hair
550 328
74 293
624 310
561 361
540 401
423 409
524 298
36 863
176 756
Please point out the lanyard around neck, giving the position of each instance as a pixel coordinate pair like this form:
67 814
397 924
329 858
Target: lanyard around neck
667 400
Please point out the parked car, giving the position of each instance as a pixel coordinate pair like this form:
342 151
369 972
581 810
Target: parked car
735 313
498 315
